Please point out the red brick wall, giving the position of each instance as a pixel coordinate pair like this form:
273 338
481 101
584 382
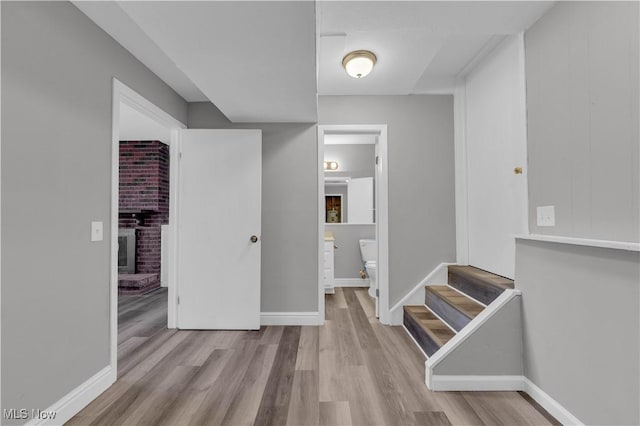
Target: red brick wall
148 246
144 177
144 198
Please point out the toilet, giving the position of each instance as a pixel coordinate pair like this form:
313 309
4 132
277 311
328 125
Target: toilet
369 253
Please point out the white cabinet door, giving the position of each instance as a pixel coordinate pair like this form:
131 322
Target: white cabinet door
360 200
218 213
329 275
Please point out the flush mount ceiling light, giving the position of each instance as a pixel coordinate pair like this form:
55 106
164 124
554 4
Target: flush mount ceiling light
359 63
330 165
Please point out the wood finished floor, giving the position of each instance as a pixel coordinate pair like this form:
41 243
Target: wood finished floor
351 371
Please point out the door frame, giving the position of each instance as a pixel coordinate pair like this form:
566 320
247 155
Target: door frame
123 94
382 211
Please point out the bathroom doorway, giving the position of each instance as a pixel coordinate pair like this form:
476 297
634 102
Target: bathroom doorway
352 216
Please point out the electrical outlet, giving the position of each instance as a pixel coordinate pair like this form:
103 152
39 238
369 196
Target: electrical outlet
96 231
546 216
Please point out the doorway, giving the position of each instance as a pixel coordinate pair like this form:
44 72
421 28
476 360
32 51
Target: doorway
149 133
353 212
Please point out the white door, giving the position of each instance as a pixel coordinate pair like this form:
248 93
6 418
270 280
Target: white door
360 200
219 229
496 145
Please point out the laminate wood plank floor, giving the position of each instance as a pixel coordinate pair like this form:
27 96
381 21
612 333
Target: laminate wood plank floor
350 371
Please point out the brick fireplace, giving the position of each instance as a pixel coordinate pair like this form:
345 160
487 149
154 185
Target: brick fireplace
144 206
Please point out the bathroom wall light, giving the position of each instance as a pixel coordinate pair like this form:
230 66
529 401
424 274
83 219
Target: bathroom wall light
359 63
330 165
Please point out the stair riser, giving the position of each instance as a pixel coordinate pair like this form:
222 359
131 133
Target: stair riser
424 340
456 319
480 291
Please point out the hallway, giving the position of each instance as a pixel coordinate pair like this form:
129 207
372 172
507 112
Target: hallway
351 371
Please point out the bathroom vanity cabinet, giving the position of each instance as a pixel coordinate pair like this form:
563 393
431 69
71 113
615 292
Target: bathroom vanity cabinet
328 267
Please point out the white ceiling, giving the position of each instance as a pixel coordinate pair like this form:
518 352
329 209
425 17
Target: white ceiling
421 45
111 18
256 61
135 126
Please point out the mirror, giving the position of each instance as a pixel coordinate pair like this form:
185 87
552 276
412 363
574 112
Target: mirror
349 182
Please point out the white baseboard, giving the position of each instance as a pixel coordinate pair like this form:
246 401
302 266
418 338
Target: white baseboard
551 405
350 282
71 404
329 290
416 295
476 383
505 383
289 318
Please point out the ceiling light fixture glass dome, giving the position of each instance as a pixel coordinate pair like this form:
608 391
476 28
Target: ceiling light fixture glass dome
359 63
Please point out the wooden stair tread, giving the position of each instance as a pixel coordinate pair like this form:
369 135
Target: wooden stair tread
462 303
432 325
476 274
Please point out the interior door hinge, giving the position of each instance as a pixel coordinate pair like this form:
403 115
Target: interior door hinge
178 300
377 158
180 154
377 292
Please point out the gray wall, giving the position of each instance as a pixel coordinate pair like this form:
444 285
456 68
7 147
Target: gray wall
580 304
421 177
353 160
57 69
495 349
347 257
582 89
581 338
289 208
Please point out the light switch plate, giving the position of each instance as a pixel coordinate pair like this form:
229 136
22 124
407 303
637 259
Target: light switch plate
96 231
546 216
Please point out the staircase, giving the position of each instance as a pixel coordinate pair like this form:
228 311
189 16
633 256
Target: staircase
450 308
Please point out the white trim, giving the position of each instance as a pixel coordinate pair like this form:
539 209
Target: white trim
552 406
118 93
321 223
350 282
522 89
460 168
71 404
414 297
476 383
488 312
382 227
616 245
505 383
142 105
415 341
124 94
382 210
290 318
0 222
172 232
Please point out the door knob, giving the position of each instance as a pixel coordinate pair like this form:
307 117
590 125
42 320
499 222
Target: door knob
253 239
